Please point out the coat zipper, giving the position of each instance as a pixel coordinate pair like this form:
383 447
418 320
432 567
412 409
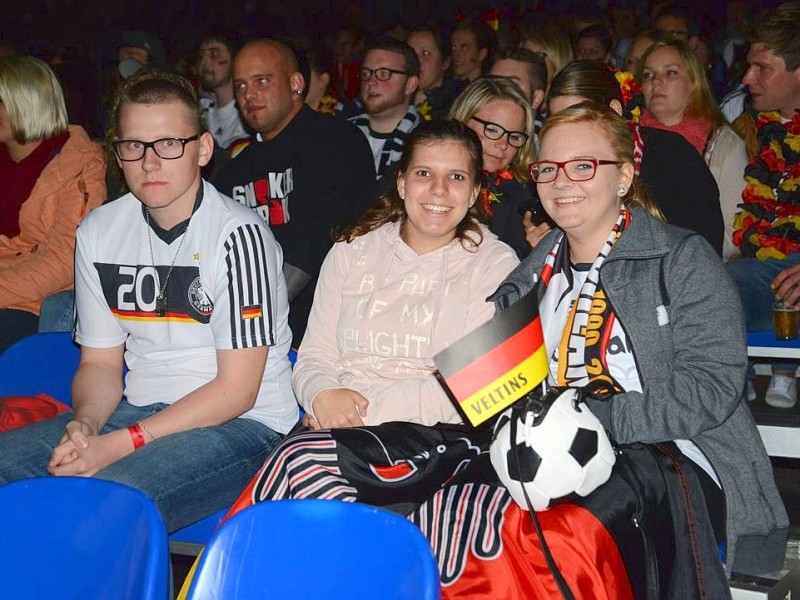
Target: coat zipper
653 583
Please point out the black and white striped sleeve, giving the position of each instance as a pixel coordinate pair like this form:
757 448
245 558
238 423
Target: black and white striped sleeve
249 304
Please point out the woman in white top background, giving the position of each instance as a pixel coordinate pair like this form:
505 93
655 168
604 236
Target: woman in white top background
678 98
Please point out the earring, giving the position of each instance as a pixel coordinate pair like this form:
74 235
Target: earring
621 190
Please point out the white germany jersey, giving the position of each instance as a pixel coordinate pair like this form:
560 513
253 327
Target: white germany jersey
226 291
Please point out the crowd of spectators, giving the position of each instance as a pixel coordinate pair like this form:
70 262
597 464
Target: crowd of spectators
338 138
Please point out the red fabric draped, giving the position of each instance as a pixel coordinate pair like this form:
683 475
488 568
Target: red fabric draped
581 546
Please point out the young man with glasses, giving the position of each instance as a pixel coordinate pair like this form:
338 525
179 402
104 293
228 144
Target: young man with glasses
184 287
389 79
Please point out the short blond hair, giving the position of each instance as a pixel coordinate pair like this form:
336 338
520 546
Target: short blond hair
33 99
554 42
482 91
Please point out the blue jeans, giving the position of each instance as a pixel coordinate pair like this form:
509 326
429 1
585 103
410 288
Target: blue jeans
753 278
57 312
190 475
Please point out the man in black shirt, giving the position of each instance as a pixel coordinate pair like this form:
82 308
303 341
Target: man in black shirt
304 175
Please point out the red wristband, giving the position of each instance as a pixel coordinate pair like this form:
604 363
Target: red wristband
137 435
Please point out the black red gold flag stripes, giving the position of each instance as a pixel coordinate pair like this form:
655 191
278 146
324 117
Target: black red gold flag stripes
494 366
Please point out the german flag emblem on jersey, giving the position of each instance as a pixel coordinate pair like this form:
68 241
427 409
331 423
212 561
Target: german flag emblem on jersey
252 312
497 364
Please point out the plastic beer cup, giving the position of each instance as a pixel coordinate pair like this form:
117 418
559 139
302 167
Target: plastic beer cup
784 320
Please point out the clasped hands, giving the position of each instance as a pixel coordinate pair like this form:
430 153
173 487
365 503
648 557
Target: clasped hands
337 408
82 451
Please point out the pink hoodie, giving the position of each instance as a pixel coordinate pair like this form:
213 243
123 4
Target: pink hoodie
381 312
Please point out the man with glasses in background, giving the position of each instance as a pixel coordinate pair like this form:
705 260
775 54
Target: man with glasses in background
184 287
389 79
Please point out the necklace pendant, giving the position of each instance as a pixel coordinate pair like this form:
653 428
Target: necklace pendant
161 305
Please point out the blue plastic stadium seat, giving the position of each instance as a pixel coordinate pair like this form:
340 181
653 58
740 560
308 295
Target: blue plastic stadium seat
316 549
46 363
191 539
40 363
77 537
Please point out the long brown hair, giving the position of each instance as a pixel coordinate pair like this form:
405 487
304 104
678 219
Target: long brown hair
390 208
588 79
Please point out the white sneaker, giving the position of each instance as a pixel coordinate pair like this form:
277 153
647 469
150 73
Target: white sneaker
782 392
750 391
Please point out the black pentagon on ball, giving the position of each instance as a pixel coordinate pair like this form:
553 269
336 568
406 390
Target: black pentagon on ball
523 462
584 446
501 422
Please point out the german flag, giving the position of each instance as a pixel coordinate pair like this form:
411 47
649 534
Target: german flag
497 364
251 312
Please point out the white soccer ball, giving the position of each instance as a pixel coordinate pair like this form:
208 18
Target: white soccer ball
565 452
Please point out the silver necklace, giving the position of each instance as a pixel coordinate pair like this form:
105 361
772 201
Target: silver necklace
161 298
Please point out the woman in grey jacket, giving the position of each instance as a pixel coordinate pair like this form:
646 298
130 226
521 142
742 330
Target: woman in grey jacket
657 317
647 308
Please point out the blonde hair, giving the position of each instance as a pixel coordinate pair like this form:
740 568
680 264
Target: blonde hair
554 42
33 99
702 104
482 91
618 133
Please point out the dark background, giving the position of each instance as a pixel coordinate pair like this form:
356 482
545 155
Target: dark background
80 38
91 28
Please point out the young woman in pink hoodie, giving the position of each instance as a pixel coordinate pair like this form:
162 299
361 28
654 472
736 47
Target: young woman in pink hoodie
408 279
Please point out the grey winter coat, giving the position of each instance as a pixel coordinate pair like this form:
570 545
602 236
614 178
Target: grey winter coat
683 318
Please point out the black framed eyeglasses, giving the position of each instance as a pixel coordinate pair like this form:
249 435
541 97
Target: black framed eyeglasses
165 148
381 73
493 131
578 169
